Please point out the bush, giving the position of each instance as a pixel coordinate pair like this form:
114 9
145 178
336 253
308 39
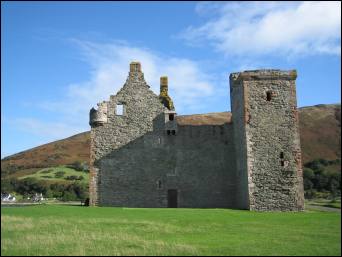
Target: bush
59 174
30 186
69 196
320 181
46 171
73 177
310 194
79 166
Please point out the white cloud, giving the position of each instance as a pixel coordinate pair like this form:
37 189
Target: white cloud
188 83
51 130
189 87
261 28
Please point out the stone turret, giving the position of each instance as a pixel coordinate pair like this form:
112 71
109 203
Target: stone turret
98 117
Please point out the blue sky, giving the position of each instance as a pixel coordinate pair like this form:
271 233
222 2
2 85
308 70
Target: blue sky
59 59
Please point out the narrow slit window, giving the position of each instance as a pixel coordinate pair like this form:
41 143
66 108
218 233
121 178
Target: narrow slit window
159 184
171 116
282 163
269 95
282 155
168 132
173 132
119 109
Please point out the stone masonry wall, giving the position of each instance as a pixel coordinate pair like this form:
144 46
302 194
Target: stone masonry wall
205 166
135 161
237 100
273 149
253 162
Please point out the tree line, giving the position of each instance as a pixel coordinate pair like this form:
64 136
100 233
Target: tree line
320 180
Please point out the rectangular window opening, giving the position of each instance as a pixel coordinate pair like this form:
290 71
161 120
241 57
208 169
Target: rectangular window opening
269 95
171 116
119 109
282 163
173 132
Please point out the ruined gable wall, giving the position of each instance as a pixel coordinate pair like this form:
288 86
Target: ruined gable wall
142 115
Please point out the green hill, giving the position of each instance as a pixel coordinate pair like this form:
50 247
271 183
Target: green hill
320 132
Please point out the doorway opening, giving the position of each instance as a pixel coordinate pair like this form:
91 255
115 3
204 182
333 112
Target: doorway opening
172 198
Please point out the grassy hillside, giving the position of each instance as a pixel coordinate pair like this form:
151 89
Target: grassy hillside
61 152
320 131
59 173
71 230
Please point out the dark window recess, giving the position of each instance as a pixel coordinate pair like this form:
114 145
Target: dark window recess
281 155
159 184
173 132
282 163
168 132
171 116
221 130
269 95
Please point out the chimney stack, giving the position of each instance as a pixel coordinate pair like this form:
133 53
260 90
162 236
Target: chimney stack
135 67
163 85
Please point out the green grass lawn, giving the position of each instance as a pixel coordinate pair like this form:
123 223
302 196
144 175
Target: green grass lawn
49 174
72 230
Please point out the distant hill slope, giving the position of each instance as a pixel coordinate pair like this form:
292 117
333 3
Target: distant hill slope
320 129
320 132
61 152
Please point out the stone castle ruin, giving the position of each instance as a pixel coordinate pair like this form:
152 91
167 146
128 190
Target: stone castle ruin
144 155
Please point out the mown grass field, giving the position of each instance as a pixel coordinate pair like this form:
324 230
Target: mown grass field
50 174
72 230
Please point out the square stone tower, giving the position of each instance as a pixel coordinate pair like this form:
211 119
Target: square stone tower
265 122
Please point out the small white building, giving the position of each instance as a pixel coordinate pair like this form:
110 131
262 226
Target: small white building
5 197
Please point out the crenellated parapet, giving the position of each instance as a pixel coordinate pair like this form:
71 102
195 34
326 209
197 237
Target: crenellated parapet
98 117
